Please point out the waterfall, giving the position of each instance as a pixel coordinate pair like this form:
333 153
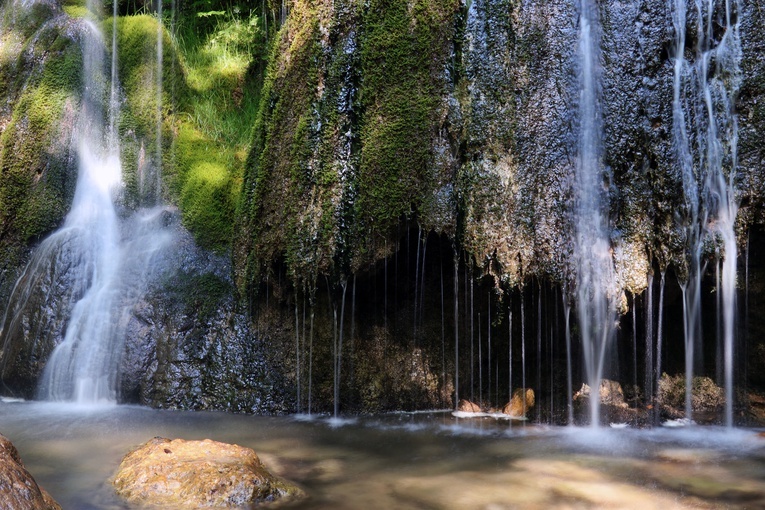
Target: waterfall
97 265
158 85
592 250
709 172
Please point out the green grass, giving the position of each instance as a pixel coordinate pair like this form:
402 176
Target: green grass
215 127
208 101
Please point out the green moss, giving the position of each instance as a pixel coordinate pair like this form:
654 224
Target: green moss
200 295
277 174
342 146
77 11
206 186
403 50
206 204
33 188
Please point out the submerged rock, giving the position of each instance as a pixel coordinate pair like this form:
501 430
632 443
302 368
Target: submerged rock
520 403
18 490
197 474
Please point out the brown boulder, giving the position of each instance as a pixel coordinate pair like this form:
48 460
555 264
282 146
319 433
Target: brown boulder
467 406
18 490
520 403
197 474
611 393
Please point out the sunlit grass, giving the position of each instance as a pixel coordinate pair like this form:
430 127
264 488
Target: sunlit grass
78 9
216 68
216 52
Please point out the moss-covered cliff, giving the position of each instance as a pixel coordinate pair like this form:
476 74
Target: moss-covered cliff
352 106
40 83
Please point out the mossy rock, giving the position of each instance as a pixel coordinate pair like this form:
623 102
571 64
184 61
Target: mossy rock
41 78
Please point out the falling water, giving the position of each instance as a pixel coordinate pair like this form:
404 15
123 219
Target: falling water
634 343
709 181
102 263
569 375
595 270
510 351
297 356
649 375
660 328
456 330
114 103
539 349
690 288
480 363
488 342
160 67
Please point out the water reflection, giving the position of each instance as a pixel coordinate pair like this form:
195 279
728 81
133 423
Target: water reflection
403 460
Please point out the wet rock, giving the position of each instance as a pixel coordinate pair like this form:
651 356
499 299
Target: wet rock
520 403
197 474
610 393
186 347
18 490
707 399
467 406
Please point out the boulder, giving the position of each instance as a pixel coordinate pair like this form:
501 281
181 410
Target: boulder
18 490
467 406
197 474
520 403
706 396
611 393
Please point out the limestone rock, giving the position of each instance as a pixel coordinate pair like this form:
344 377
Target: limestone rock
467 406
520 403
611 393
706 396
18 490
197 474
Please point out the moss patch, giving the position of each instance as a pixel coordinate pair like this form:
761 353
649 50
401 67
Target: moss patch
343 142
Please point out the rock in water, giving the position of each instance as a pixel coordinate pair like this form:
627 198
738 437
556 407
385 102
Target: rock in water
197 474
18 490
520 403
467 406
611 393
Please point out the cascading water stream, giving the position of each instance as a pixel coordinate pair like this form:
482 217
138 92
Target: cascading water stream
709 178
98 264
158 141
80 368
592 250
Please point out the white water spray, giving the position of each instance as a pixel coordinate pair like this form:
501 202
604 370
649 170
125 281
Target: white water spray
595 267
708 175
98 264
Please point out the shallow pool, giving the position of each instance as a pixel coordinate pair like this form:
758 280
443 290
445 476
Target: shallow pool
408 460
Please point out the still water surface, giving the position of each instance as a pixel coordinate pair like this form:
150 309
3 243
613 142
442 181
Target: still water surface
408 461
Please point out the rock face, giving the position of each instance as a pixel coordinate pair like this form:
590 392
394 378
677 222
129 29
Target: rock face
197 474
18 490
403 142
520 404
187 347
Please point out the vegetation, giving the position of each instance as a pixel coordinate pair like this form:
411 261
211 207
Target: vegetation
342 144
35 185
208 96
